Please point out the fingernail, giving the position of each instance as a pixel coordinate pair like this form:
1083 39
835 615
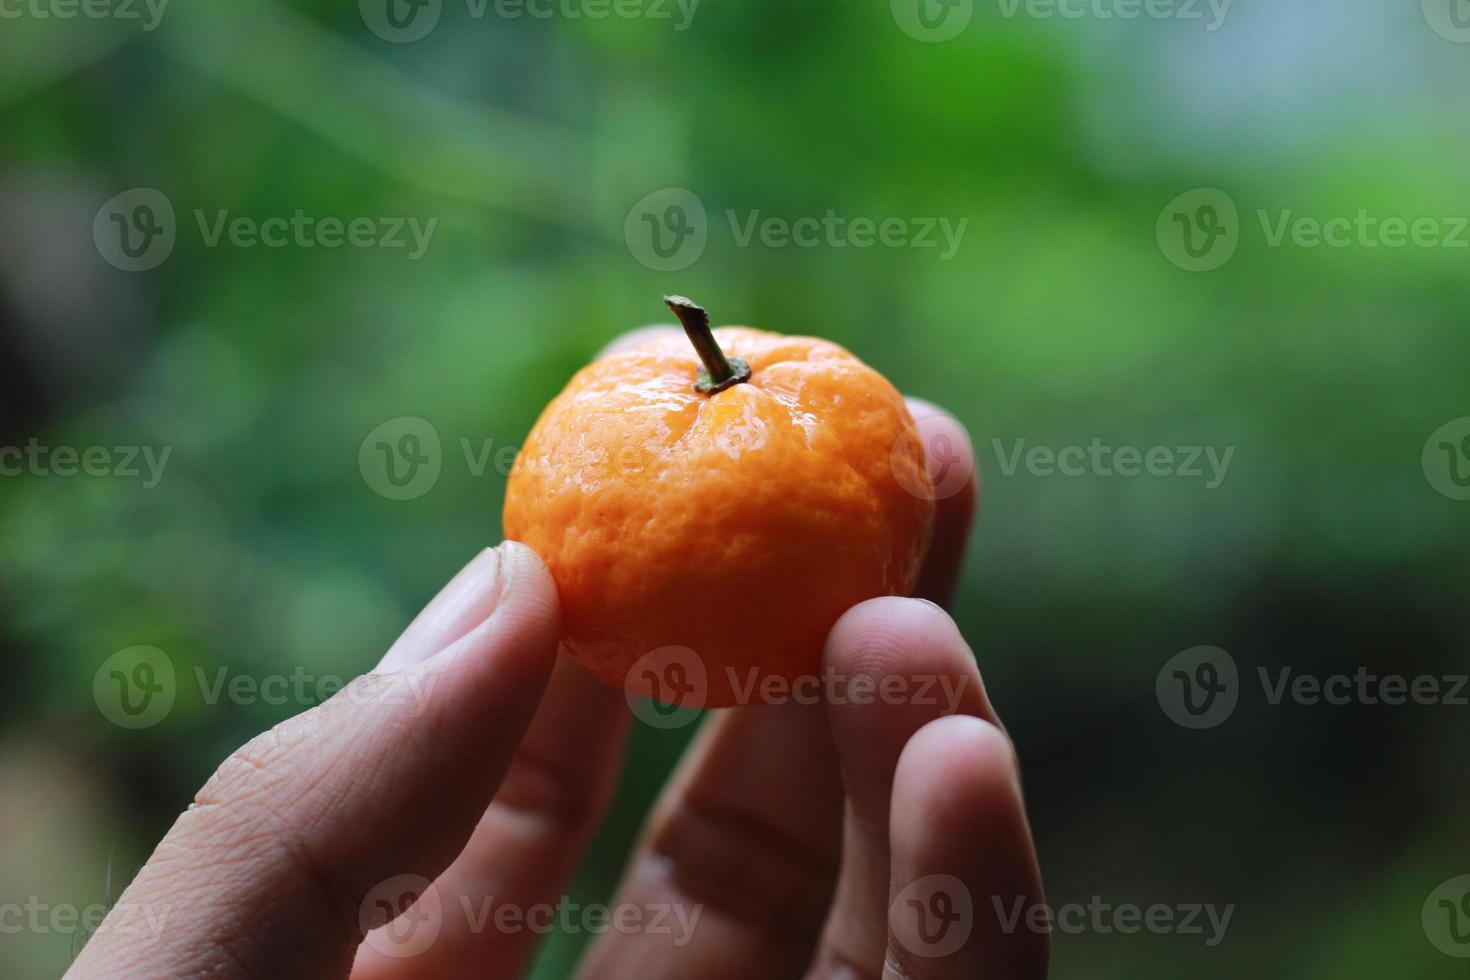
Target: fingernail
466 602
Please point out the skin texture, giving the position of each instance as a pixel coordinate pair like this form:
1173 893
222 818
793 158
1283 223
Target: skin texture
477 760
735 527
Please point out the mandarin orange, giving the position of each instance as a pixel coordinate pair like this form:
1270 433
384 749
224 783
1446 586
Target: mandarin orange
705 528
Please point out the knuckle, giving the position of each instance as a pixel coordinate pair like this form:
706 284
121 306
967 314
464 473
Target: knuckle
555 793
746 867
259 766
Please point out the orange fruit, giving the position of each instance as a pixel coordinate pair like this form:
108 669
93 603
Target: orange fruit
705 529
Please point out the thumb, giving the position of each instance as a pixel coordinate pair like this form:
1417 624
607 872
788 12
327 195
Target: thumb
267 871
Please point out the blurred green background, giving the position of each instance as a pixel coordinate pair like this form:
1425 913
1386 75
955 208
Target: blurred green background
542 148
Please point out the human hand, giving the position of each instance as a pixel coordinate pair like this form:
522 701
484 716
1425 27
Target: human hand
829 841
824 840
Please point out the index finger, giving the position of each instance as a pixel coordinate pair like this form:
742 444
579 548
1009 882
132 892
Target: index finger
955 476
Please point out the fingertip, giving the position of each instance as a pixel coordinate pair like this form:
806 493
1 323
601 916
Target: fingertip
527 588
521 636
952 771
894 634
461 605
896 664
947 445
958 823
635 338
923 407
924 410
954 475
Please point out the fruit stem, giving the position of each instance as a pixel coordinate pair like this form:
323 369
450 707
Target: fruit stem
720 372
